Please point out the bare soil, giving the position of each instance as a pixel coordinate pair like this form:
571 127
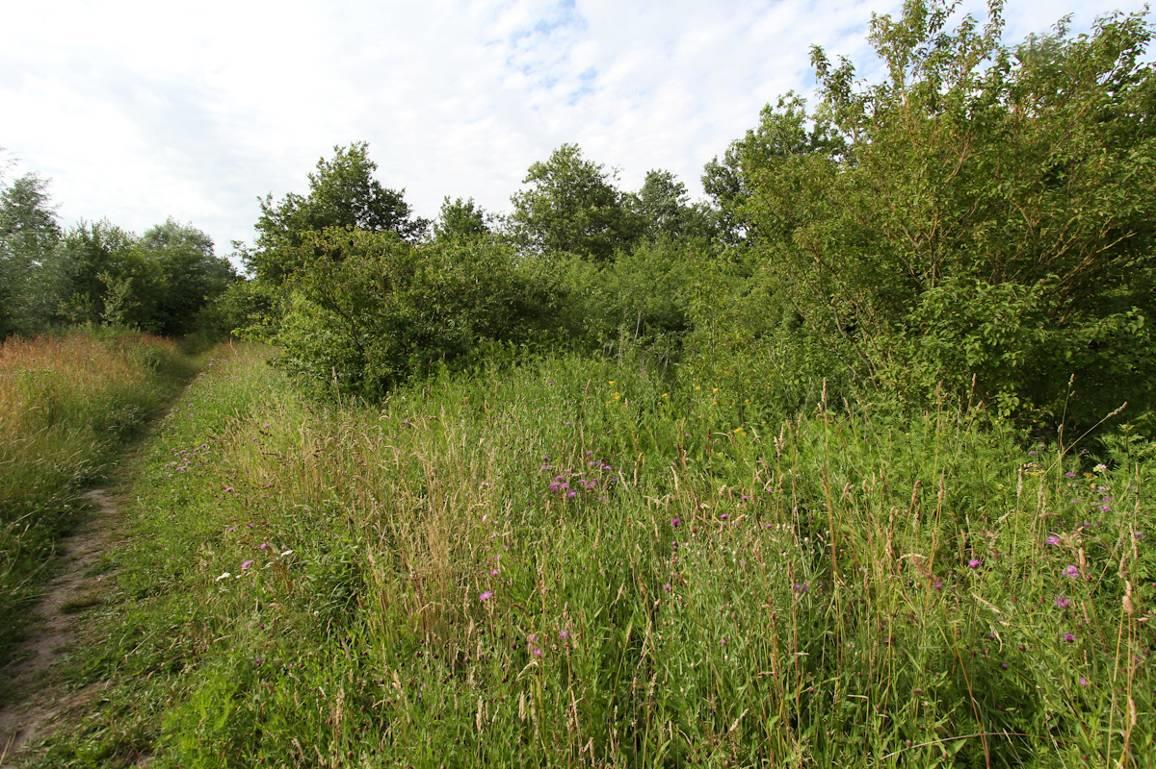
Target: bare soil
37 699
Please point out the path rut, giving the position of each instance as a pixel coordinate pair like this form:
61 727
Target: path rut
39 698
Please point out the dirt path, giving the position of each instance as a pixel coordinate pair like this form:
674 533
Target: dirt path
40 699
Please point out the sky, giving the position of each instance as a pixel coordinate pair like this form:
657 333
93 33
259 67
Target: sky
138 111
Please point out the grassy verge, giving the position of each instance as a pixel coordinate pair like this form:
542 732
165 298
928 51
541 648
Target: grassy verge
67 405
568 564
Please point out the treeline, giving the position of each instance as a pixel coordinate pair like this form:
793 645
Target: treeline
163 281
977 227
974 228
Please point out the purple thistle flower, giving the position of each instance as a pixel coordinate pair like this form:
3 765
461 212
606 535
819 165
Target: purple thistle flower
555 487
494 572
724 517
666 587
263 546
1072 571
563 635
246 565
675 522
536 652
570 494
487 595
938 585
974 563
1053 540
800 587
1105 508
1069 638
1062 602
1070 474
1083 681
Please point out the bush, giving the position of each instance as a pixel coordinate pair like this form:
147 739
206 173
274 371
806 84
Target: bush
369 311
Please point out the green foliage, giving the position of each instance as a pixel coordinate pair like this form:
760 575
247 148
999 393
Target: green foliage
343 193
981 212
570 205
370 311
461 219
29 233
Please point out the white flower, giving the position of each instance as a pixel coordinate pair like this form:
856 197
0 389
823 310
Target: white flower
1100 468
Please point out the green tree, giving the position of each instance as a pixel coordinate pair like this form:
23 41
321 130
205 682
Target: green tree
189 275
343 193
662 209
29 233
570 205
461 218
982 211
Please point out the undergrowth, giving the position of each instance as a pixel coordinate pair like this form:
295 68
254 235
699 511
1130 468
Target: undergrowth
573 563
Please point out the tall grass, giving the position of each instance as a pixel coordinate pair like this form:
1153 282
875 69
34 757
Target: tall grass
66 404
417 586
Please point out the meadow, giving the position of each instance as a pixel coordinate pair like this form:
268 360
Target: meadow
68 405
578 562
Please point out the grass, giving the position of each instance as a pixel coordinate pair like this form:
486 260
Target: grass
67 405
414 585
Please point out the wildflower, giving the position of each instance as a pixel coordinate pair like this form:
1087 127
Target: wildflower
724 517
563 635
485 596
1053 540
974 563
1069 638
800 587
1062 602
263 546
246 565
1072 571
571 494
1100 468
666 587
938 585
1070 474
493 572
1083 681
676 522
536 652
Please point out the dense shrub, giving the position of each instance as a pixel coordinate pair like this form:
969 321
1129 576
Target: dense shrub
981 212
368 310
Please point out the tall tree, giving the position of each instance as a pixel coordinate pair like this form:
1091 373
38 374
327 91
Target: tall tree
343 193
570 204
28 234
189 275
461 218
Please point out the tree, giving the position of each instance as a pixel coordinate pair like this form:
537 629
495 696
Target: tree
343 193
28 234
982 211
571 206
189 275
461 218
662 209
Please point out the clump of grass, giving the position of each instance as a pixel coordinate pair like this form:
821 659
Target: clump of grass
416 585
66 404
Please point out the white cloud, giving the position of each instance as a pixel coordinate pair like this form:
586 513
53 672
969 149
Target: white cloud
141 110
